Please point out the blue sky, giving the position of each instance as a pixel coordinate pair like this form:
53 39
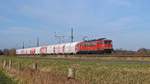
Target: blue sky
126 22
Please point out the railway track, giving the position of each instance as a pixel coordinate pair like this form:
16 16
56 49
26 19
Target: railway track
110 55
86 55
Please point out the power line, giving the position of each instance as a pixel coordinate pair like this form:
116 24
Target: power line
59 38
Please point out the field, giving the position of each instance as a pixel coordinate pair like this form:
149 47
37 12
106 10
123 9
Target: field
97 70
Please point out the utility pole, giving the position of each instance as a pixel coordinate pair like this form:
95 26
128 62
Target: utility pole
38 43
23 45
72 37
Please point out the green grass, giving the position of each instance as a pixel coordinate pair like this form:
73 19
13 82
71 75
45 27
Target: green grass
100 71
5 79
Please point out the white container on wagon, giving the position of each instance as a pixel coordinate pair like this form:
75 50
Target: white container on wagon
57 50
22 51
67 48
18 52
50 49
37 50
61 48
28 51
70 48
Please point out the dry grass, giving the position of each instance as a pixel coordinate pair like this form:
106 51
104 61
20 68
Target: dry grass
30 76
88 71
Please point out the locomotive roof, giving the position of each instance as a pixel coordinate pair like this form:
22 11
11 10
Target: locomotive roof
96 39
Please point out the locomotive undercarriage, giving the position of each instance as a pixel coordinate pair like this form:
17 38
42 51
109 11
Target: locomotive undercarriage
105 51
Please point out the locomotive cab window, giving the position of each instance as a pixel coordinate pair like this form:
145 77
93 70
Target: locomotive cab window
107 42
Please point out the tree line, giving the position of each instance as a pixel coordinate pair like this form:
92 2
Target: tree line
141 51
8 52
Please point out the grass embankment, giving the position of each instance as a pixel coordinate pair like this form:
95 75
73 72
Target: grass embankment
88 71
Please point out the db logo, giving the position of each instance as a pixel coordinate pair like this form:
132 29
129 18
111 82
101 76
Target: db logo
43 50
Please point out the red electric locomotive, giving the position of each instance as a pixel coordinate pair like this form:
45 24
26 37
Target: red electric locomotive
97 46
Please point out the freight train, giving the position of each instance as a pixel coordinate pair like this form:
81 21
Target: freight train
96 46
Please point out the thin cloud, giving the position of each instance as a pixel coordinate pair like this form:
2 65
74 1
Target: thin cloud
4 19
121 24
23 31
62 14
124 3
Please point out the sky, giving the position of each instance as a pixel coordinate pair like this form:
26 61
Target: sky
126 22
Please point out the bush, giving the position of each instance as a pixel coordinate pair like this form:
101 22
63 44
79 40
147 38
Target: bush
1 52
143 51
6 52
